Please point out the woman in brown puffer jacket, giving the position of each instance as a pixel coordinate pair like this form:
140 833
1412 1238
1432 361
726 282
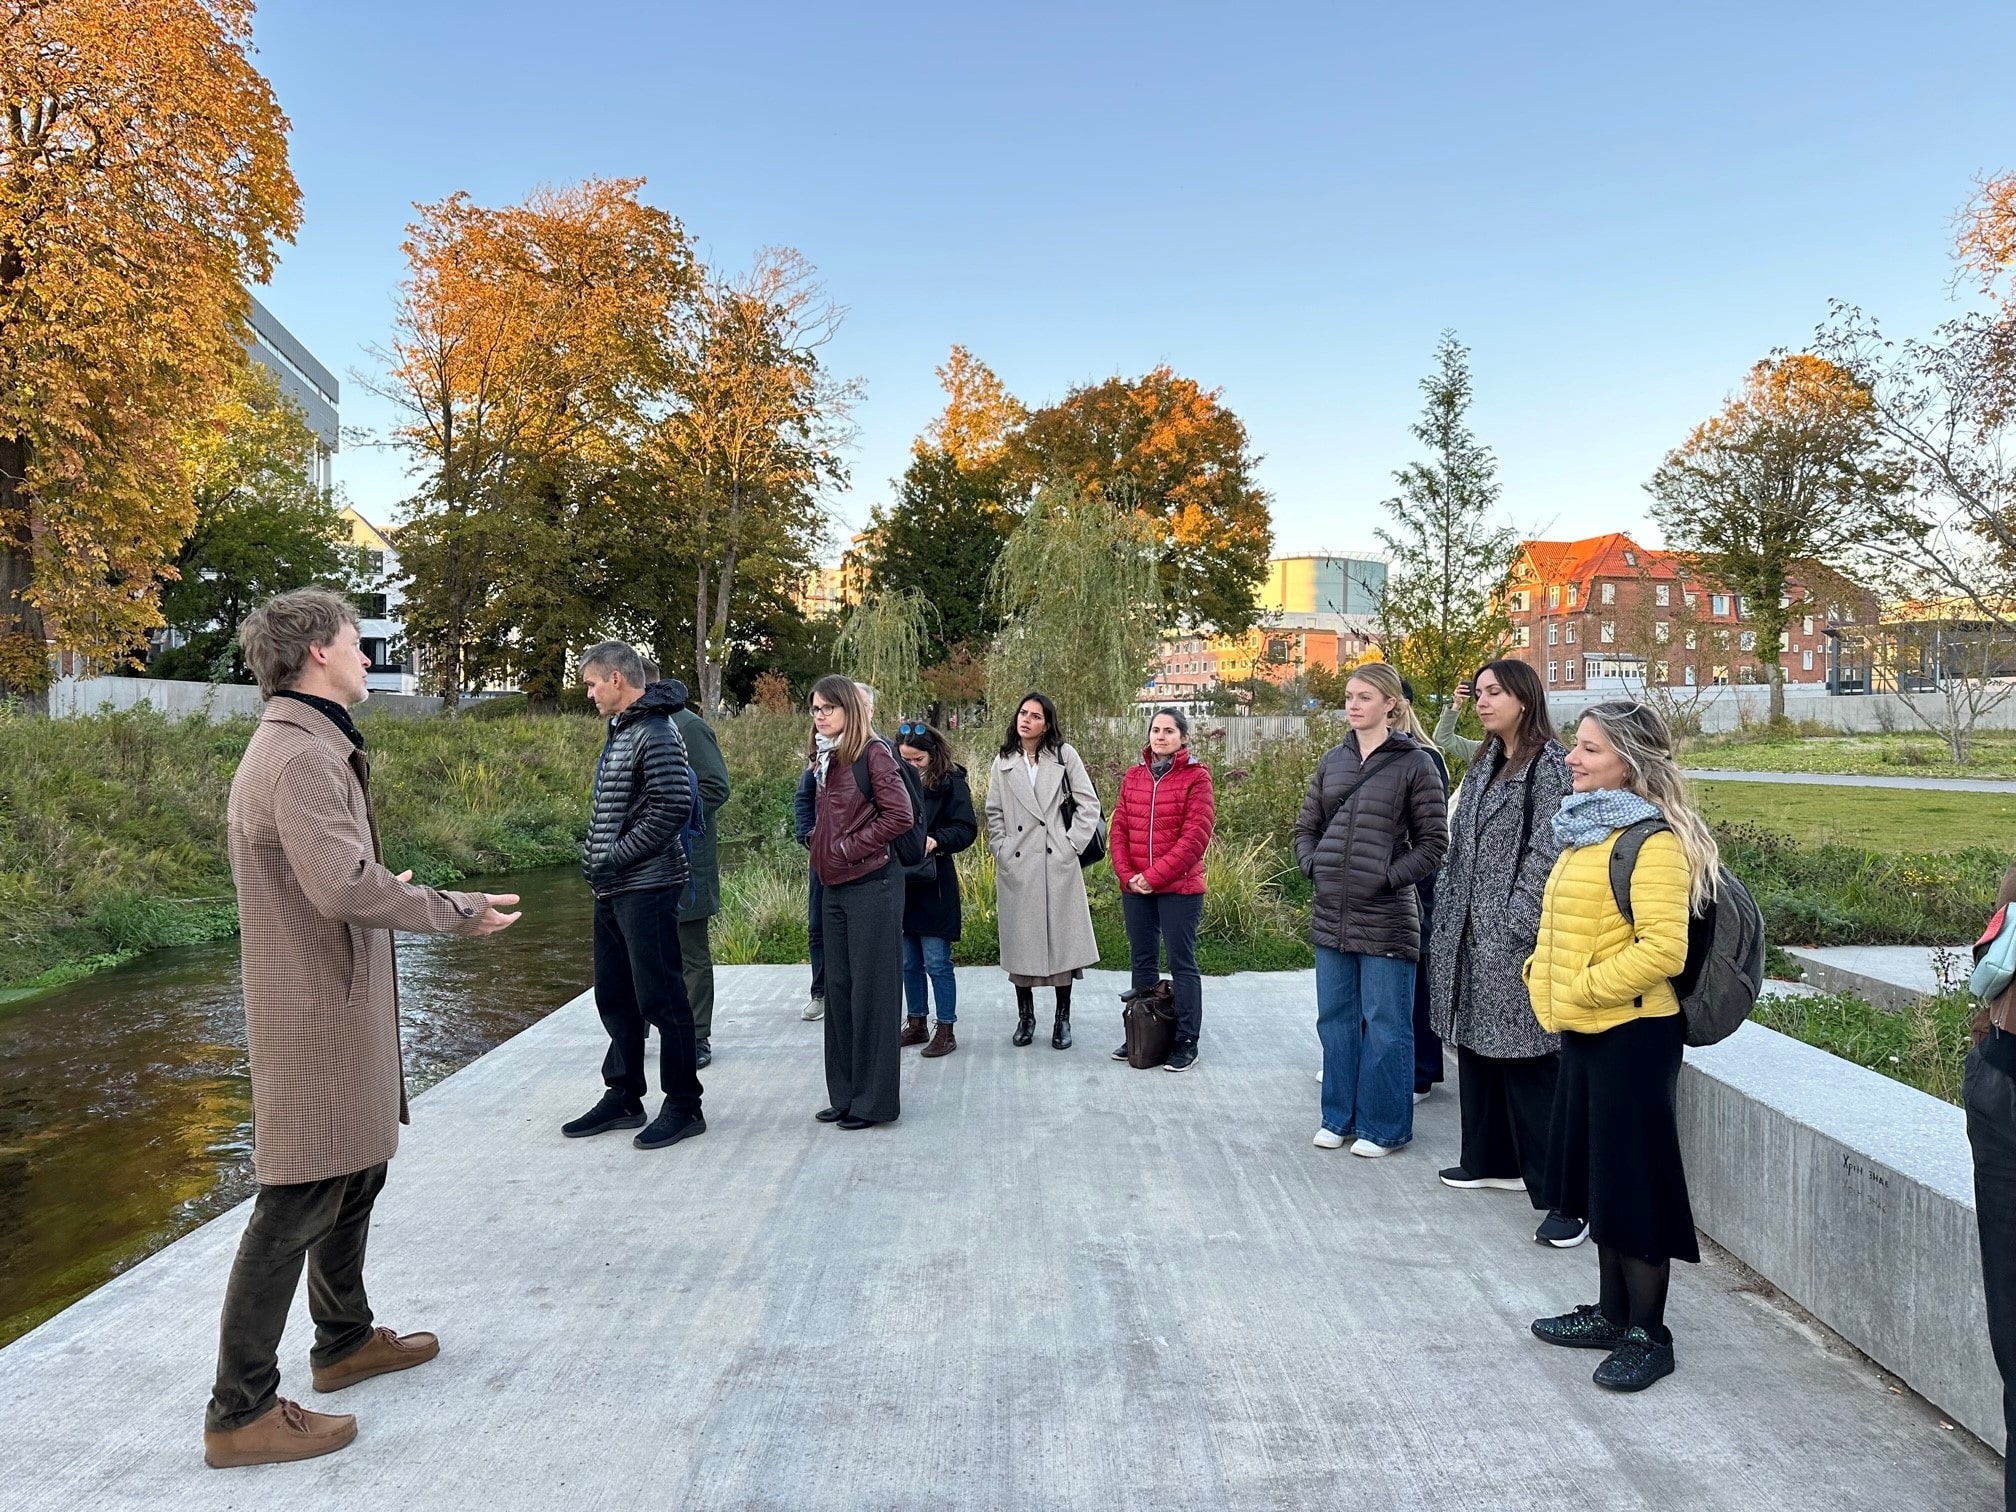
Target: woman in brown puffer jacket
1375 821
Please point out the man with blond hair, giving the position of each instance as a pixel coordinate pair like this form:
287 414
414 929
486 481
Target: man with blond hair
316 912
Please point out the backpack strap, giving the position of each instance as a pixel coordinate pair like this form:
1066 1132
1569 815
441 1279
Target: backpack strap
1624 860
1526 829
861 778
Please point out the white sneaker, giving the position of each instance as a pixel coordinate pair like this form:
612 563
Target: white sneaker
1325 1140
816 1009
1373 1151
1420 1098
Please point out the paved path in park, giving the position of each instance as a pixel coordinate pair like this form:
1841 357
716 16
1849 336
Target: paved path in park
1058 1283
1836 779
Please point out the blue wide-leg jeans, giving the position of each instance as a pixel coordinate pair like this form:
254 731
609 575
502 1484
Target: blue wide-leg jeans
1365 1019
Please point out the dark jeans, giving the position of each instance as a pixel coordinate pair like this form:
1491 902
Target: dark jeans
815 931
1155 920
325 1222
864 995
1990 1095
696 965
1427 1043
1508 1108
639 986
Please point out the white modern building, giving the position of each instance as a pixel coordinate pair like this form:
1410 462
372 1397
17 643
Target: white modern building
302 379
381 606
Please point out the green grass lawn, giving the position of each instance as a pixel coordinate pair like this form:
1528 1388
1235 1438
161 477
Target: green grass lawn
1906 753
1885 819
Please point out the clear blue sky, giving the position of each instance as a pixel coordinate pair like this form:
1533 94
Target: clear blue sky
1617 207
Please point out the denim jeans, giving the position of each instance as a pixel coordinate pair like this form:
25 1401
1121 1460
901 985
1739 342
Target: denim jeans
928 959
1365 1019
1155 920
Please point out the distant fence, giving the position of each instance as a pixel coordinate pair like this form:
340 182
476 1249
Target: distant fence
70 697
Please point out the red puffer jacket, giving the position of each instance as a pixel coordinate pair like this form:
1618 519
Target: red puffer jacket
1160 829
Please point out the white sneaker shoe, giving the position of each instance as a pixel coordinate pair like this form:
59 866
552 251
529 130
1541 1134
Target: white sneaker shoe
1373 1151
1420 1098
816 1009
1326 1140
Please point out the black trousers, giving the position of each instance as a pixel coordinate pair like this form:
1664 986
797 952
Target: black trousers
864 995
1427 1043
696 965
815 932
325 1223
1990 1096
639 986
1508 1106
1158 920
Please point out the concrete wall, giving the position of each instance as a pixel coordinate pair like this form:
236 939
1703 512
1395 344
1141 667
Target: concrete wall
72 696
1853 1194
1728 708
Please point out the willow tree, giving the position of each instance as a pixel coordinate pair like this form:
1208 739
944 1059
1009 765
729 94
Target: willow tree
882 644
1081 605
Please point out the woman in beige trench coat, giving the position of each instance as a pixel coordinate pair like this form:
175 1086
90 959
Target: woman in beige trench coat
1044 919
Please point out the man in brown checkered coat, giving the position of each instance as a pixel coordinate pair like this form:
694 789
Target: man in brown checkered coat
316 912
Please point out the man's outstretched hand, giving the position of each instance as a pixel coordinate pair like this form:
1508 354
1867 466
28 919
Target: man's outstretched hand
494 918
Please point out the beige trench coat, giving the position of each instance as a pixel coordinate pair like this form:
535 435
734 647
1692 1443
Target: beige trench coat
1039 888
316 911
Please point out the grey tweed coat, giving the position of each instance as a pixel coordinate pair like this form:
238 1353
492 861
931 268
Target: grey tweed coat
1487 905
316 911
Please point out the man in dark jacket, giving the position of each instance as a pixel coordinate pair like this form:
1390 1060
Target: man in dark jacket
633 861
703 893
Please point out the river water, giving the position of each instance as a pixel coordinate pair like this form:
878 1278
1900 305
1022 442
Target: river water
126 1104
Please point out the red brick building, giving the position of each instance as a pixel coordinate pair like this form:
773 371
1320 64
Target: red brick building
1606 613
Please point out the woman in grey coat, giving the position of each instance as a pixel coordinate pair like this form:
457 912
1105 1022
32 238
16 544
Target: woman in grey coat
1044 917
1501 848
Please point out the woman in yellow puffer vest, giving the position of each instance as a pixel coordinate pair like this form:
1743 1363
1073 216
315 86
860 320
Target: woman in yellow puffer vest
1603 982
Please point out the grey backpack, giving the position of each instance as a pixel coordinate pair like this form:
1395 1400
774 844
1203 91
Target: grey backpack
1724 973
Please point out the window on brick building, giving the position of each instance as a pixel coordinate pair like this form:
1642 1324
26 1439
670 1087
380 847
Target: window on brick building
1718 603
1607 633
1554 597
1521 636
1746 674
1574 593
1662 595
1553 671
1693 641
1609 593
1553 635
1659 674
1747 641
1719 677
1806 661
1571 635
1630 559
1693 601
1743 606
1721 640
1662 632
1807 625
1522 600
1568 670
1688 674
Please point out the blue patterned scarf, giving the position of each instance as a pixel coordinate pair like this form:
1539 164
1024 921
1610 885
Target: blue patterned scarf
1586 818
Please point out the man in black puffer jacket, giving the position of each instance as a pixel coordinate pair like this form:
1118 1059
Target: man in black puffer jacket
637 868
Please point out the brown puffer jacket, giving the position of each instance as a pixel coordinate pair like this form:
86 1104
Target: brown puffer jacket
1368 831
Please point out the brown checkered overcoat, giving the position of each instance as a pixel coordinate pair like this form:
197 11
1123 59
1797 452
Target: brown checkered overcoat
316 911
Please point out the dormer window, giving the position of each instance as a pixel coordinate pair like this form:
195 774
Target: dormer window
1630 559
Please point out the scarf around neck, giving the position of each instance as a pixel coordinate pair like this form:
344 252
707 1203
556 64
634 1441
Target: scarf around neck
1586 818
826 745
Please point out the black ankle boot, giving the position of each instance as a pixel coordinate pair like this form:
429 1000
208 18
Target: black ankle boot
1060 1032
1025 1016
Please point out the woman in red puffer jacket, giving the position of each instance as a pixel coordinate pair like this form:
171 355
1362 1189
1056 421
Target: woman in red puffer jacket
1161 828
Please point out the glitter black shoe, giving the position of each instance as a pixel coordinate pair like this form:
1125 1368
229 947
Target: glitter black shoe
1584 1328
1636 1363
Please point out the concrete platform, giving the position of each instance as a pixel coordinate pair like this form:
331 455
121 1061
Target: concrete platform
1891 976
1057 1283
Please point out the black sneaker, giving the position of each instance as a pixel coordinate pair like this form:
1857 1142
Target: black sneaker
1636 1363
1183 1057
615 1111
1561 1231
668 1128
1584 1328
1455 1176
1121 1053
703 1054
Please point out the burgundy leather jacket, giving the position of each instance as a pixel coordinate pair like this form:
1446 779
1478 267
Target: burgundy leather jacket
850 835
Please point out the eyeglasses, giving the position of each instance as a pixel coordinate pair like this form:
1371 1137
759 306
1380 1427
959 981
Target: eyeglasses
916 728
824 708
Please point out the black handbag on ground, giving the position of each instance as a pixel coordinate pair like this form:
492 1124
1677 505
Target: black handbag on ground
1150 1019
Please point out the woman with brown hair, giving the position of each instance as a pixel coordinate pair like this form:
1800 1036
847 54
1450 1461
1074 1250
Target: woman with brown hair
862 805
1501 847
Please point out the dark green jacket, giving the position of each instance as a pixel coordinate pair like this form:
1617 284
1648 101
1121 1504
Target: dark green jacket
703 899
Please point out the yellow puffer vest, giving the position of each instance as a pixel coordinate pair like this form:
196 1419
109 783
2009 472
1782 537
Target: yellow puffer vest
1590 969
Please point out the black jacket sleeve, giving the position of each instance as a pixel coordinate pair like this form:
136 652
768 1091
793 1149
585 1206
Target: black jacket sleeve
1427 827
664 799
956 828
805 806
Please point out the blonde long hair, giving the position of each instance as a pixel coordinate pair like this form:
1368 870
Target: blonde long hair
1382 676
1640 736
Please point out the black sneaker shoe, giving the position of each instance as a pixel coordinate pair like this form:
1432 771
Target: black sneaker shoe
1561 1231
1636 1363
615 1111
668 1128
1121 1053
703 1054
1455 1176
1584 1328
1183 1057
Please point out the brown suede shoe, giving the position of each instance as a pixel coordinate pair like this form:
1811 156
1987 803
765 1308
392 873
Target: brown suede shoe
386 1352
913 1031
942 1042
289 1432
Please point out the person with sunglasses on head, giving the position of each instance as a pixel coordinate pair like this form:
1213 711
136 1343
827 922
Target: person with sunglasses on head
931 915
1162 825
1042 813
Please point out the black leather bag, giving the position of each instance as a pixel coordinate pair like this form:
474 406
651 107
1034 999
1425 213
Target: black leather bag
1095 848
1150 1020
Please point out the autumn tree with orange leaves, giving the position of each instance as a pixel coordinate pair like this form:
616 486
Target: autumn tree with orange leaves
1793 469
143 182
1165 447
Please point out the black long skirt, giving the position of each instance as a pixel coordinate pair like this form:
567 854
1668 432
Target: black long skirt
1615 1146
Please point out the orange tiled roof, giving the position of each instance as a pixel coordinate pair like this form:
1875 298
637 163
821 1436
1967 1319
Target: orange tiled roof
1596 556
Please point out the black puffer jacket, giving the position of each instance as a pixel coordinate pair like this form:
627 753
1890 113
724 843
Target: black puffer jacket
642 798
1368 831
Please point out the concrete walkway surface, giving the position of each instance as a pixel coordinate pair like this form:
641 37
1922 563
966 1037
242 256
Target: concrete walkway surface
1838 779
1057 1283
1889 975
